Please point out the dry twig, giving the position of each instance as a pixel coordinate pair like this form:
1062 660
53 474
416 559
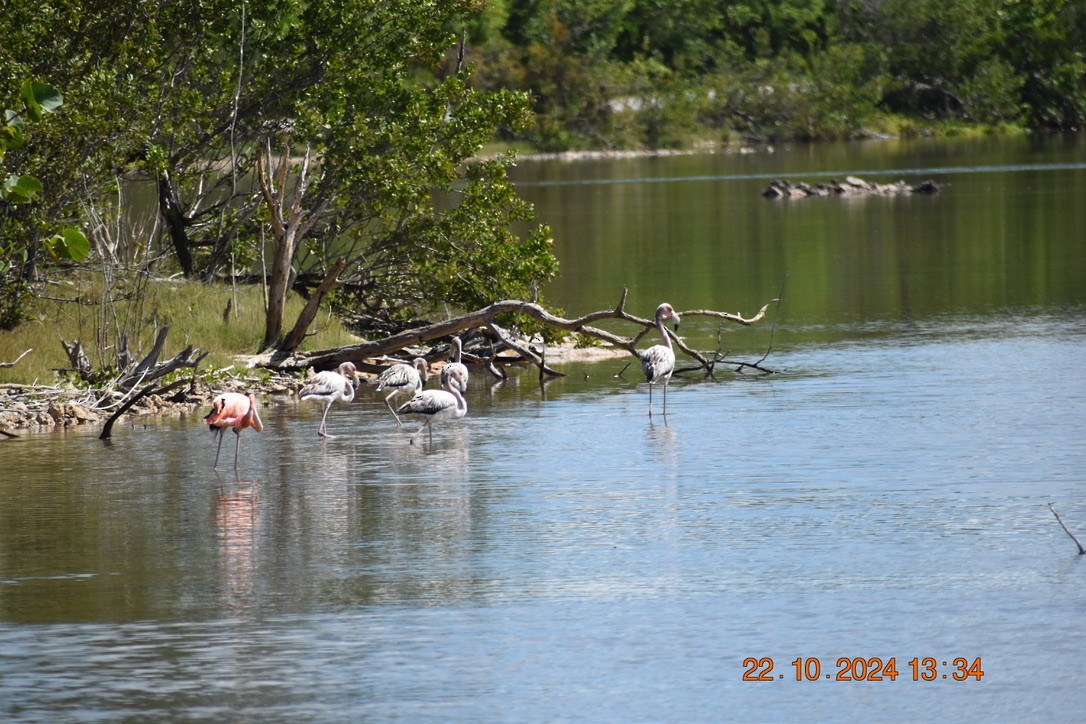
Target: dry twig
1081 550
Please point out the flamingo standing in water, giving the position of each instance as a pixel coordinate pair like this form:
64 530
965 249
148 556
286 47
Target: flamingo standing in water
456 365
329 386
658 361
402 377
236 411
438 405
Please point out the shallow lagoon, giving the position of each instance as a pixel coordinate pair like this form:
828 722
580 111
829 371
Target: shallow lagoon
556 555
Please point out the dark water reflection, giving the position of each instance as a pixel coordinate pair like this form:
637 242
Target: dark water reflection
1005 232
560 556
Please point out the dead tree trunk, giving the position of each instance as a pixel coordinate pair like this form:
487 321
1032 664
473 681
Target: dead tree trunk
290 222
485 318
176 223
309 313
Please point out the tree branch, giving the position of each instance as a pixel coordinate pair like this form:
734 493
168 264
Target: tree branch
485 317
107 430
17 359
312 305
1081 550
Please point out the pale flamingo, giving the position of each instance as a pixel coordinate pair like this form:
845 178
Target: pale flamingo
658 361
329 386
236 411
438 405
402 377
456 364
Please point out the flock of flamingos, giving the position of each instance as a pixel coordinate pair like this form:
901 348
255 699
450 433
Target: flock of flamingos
236 411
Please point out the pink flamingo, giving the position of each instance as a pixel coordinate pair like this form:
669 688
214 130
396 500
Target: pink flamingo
329 386
658 361
438 405
236 411
402 377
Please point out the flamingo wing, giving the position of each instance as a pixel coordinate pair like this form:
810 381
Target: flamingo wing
227 409
323 384
657 362
233 409
398 376
429 402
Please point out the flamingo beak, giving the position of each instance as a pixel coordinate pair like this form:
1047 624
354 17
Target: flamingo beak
675 316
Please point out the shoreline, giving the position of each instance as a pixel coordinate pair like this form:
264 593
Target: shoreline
43 409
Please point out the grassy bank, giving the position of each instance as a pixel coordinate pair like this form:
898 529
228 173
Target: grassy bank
101 312
706 140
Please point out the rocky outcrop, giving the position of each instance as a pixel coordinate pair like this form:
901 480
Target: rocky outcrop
851 186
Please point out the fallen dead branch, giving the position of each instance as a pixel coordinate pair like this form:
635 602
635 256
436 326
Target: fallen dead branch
107 429
149 369
17 359
485 318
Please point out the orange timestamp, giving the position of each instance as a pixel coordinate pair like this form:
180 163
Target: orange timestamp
849 668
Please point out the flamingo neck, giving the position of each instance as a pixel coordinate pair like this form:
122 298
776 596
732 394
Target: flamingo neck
663 332
450 386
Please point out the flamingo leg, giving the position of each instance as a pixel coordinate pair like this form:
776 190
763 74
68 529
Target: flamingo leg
218 433
650 399
322 431
665 397
388 402
237 449
423 425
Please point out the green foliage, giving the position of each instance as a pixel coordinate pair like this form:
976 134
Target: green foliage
37 100
785 69
179 96
15 294
659 108
182 95
70 243
1044 49
20 189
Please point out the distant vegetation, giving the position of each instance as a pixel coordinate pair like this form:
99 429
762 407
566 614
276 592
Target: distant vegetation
659 73
134 133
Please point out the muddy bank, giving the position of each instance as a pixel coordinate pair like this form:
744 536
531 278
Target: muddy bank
37 409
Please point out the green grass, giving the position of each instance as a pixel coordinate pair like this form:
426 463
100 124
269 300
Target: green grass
194 311
908 127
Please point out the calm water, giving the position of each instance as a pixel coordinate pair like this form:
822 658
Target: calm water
556 555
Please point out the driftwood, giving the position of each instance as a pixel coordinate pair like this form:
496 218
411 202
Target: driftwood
309 312
17 359
77 357
148 371
485 318
107 429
